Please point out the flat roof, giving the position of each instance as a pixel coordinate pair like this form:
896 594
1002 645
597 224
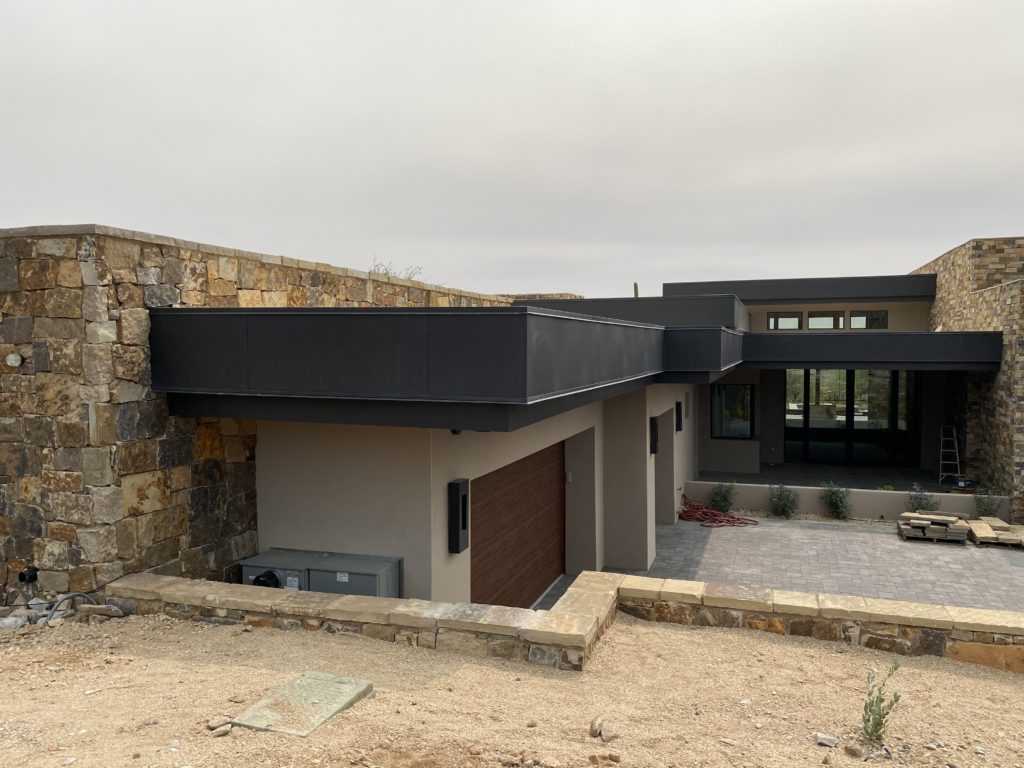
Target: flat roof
813 289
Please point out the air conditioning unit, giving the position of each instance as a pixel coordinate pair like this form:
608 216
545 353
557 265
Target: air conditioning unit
331 572
281 568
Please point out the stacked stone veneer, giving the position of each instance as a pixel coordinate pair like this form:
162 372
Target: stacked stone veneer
979 288
566 636
562 637
96 478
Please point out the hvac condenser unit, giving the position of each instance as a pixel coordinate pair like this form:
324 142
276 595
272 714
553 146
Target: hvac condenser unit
357 575
325 572
282 568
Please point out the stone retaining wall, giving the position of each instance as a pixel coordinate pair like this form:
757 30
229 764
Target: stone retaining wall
991 638
562 637
96 478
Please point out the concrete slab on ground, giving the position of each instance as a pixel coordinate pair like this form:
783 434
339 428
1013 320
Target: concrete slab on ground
300 706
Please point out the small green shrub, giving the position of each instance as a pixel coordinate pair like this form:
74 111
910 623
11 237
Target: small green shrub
837 500
877 707
987 502
783 501
921 501
722 496
885 487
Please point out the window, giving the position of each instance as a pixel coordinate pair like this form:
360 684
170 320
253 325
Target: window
829 321
785 321
871 399
827 395
869 319
795 397
732 411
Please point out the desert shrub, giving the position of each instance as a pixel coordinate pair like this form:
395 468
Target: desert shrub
921 501
837 500
877 707
986 502
722 496
885 487
783 501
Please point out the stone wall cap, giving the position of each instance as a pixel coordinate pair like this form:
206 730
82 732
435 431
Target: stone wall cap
141 586
737 596
600 605
493 619
797 603
643 587
598 581
909 614
422 614
366 610
682 591
843 607
983 620
557 628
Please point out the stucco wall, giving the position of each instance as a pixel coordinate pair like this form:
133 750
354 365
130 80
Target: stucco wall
472 454
351 489
96 478
903 315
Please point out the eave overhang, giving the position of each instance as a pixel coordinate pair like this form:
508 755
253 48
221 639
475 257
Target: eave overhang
918 351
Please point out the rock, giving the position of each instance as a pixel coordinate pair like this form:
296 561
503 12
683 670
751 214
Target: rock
531 724
826 760
126 606
745 702
854 750
55 623
608 735
110 611
224 730
476 749
824 740
614 757
218 722
12 622
595 726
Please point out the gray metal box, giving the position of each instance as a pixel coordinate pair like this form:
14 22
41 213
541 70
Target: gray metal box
290 566
357 575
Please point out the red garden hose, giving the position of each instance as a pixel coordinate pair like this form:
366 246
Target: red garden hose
710 518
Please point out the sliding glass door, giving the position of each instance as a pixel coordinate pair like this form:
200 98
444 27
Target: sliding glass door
851 417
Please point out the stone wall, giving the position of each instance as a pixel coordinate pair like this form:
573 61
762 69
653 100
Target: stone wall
979 288
973 635
97 479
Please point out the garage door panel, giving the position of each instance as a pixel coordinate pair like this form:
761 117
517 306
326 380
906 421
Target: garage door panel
517 529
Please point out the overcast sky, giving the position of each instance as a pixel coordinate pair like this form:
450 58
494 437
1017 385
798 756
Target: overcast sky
525 146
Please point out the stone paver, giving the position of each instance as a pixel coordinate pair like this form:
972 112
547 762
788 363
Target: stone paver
842 559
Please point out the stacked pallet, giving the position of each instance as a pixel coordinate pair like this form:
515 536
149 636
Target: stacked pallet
932 527
992 530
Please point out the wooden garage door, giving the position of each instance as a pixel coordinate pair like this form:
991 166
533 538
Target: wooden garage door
517 529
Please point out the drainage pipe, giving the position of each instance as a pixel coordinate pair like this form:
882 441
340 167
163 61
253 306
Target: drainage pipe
69 596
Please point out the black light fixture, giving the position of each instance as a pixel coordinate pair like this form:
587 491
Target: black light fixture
654 434
679 416
458 516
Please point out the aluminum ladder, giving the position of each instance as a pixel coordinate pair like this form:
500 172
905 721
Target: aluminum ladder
949 454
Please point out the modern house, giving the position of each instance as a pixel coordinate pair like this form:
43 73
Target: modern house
174 406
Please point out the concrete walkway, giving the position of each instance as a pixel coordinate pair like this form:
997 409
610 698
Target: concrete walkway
842 558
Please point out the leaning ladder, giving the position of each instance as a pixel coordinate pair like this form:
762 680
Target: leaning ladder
949 454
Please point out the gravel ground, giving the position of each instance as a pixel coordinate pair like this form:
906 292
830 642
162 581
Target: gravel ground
138 692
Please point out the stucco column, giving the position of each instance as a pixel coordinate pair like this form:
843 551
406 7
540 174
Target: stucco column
628 497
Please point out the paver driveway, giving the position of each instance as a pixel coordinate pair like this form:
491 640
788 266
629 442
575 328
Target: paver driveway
842 558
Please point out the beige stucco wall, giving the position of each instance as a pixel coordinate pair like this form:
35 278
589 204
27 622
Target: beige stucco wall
903 315
338 488
472 454
728 455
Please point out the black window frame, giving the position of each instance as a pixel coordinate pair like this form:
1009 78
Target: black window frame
786 315
866 313
835 314
753 412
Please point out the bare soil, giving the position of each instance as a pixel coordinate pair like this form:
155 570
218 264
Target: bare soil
139 692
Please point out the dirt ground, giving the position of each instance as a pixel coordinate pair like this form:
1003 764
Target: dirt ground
138 692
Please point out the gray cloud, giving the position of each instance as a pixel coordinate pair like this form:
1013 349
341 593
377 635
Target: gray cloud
528 146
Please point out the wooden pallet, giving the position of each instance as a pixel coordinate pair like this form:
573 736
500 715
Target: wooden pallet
983 534
914 533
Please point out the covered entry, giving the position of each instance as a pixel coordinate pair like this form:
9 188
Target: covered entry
517 529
